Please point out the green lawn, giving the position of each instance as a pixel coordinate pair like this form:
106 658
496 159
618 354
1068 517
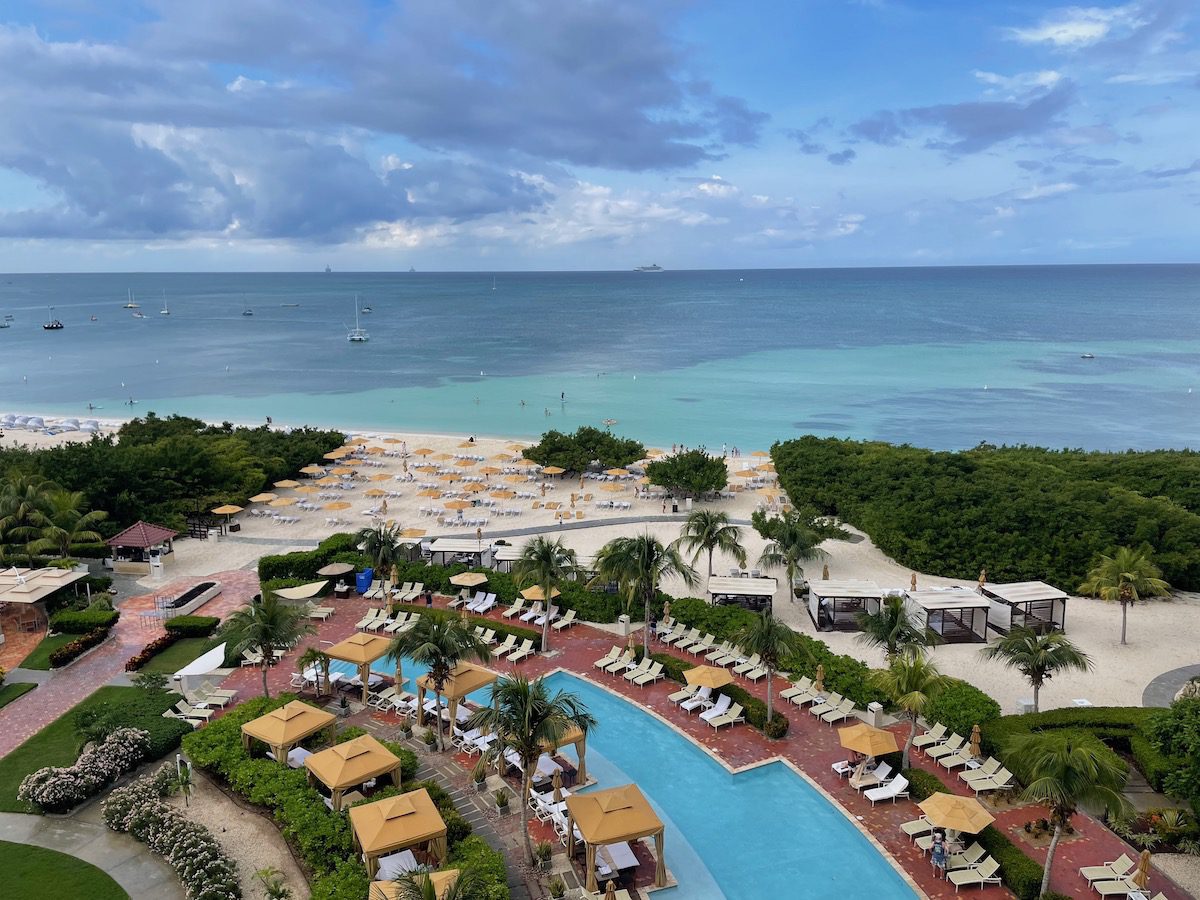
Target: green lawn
40 657
34 873
178 655
10 692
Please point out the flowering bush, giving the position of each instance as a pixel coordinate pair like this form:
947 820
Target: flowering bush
68 653
156 646
204 869
60 788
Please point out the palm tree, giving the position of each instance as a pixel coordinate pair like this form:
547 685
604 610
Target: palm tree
706 530
1066 775
792 542
265 627
773 641
1037 656
639 565
892 629
381 543
63 524
439 642
22 498
1126 577
419 886
527 719
312 658
910 681
544 563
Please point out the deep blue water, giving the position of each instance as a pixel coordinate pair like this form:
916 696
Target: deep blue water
941 357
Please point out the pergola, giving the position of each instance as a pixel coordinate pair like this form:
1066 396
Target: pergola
283 728
759 589
350 764
390 890
956 614
613 816
466 678
1026 604
361 649
135 547
577 736
398 823
835 605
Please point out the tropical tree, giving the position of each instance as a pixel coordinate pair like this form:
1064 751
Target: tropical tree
773 641
63 524
910 681
892 628
313 658
439 642
546 564
792 541
706 530
528 719
22 499
264 627
381 543
1065 775
1125 577
419 886
1037 656
639 564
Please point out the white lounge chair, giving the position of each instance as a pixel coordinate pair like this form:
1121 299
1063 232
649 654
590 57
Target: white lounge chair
724 701
684 693
515 609
701 699
1121 867
930 738
732 717
526 649
565 622
897 787
532 613
508 646
613 654
984 874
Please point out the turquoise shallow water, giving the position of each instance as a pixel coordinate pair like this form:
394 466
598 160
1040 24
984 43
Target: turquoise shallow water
938 357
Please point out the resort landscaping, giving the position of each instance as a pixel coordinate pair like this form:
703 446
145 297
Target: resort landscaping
35 873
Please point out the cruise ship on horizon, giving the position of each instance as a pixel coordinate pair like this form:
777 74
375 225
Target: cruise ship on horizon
653 267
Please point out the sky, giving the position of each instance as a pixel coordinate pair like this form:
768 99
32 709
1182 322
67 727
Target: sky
283 135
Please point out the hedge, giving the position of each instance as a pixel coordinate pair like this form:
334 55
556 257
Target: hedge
922 784
304 564
73 621
68 653
152 649
138 709
192 626
960 706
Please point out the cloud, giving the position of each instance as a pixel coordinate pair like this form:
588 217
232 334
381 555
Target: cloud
807 140
1076 26
1022 81
842 157
1045 191
881 128
1176 172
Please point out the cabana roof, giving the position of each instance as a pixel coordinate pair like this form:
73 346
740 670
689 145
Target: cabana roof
617 814
465 679
142 535
288 724
509 553
742 587
396 823
353 762
1024 592
360 648
390 890
851 590
31 585
303 592
948 598
458 545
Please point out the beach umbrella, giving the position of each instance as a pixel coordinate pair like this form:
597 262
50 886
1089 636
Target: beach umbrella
490 470
535 593
424 451
307 489
552 470
336 454
1142 876
227 510
287 483
474 487
357 439
334 569
667 610
375 451
529 463
263 498
502 457
469 579
556 782
515 479
443 457
748 473
413 533
867 740
283 501
819 680
342 470
429 492
516 448
467 463
767 491
458 504
708 676
965 814
768 467
760 453
380 476
329 480
503 495
466 445
392 441
975 751
825 572
336 505
643 480
913 582
425 467
449 476
653 452
314 469
375 492
616 473
610 892
612 488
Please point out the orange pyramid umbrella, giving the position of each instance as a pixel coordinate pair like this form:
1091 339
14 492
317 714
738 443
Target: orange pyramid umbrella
314 469
283 501
227 510
429 492
380 476
458 504
474 487
342 470
375 492
503 495
467 463
392 441
336 454
336 505
265 497
515 479
329 479
357 439
490 470
760 453
287 483
375 451
612 488
449 476
616 473
552 470
424 451
443 457
466 445
307 489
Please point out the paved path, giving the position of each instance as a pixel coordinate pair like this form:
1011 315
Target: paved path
1162 690
129 862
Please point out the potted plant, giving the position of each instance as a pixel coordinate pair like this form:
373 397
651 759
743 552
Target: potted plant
343 706
406 727
541 852
502 802
557 888
430 739
479 777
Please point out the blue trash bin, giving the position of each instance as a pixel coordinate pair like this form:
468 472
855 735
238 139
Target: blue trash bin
362 581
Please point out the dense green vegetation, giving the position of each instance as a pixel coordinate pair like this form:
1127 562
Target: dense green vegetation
39 656
576 452
959 706
689 474
179 654
14 691
161 469
34 873
1176 733
1021 513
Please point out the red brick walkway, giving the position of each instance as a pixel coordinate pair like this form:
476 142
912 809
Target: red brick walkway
66 687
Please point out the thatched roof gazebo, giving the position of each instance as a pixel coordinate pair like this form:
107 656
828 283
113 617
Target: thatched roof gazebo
283 728
361 649
350 764
398 823
613 816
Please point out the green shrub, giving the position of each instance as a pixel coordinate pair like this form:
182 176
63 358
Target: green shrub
348 880
922 784
142 710
673 666
71 621
756 711
192 626
690 473
960 706
1022 875
70 652
475 853
1175 734
576 452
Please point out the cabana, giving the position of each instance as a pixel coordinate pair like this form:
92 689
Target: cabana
505 555
447 551
26 589
577 736
1026 604
303 592
140 547
441 882
361 649
352 764
466 678
835 605
957 615
757 592
613 816
398 823
283 728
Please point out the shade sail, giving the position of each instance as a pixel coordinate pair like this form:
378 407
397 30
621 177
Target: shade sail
28 586
209 662
360 648
708 676
468 579
351 763
334 569
282 728
953 811
867 740
1024 592
303 592
396 823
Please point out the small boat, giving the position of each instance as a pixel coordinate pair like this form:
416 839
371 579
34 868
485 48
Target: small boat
653 267
411 270
247 311
289 305
4 323
52 324
139 315
1087 356
94 319
366 310
8 315
358 334
493 282
164 311
129 304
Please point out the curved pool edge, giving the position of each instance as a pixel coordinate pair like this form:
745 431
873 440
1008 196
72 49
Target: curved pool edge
736 770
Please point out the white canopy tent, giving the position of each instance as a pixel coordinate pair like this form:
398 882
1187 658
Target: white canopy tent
955 614
445 551
835 605
1026 604
201 667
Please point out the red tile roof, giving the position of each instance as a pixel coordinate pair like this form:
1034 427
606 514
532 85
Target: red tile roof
141 534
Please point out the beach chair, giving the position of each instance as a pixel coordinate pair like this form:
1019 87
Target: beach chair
954 760
666 626
462 599
418 589
917 827
208 690
650 676
683 636
319 613
756 674
703 645
532 613
399 623
733 657
171 714
1113 870
621 662
984 874
692 637
1001 780
722 706
732 717
509 645
876 777
701 699
381 622
609 657
795 688
526 649
832 703
565 622
187 711
548 616
951 746
897 787
638 669
724 649
515 609
251 658
684 693
371 616
968 859
748 666
1120 888
987 770
374 590
488 637
486 606
930 738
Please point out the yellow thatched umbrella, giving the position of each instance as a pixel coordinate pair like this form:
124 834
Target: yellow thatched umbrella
429 492
474 487
307 489
965 814
760 453
227 510
503 495
314 469
380 476
550 470
867 740
458 504
375 451
766 467
708 676
490 470
616 473
748 473
375 492
357 439
287 483
975 750
468 579
443 457
336 505
264 497
392 441
612 488
504 457
337 454
467 463
283 501
515 479
342 470
329 480
424 451
528 463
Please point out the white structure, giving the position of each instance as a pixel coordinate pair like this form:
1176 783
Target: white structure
1026 604
835 605
957 615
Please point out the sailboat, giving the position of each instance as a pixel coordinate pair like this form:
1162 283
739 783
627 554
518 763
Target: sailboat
129 304
164 311
5 323
52 324
358 335
247 311
493 282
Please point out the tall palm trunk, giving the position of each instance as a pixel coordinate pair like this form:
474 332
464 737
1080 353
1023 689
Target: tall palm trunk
710 571
265 663
770 694
912 734
546 589
1037 690
437 715
1050 857
646 630
526 786
1124 615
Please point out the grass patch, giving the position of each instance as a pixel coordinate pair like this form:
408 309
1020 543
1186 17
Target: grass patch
10 692
59 743
39 657
34 873
179 655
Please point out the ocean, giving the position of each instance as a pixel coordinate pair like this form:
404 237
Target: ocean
938 357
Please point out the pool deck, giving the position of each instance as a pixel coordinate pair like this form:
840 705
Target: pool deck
809 747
